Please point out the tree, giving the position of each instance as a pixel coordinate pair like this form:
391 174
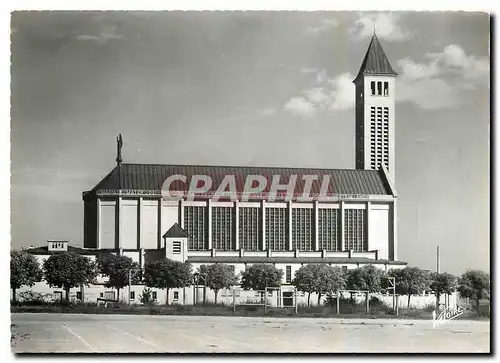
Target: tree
410 281
304 280
474 284
117 269
67 270
261 275
167 274
318 278
366 278
442 283
219 276
24 271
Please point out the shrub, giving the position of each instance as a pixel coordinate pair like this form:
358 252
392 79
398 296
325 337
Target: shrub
146 298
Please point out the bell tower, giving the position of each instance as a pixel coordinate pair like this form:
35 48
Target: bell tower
375 111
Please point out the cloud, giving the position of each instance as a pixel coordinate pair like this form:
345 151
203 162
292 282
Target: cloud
102 37
324 25
300 106
443 80
327 94
385 25
266 112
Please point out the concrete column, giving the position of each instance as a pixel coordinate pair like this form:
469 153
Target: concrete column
142 258
263 223
119 212
98 224
236 226
140 217
342 226
316 226
395 230
290 225
209 216
367 225
159 225
181 213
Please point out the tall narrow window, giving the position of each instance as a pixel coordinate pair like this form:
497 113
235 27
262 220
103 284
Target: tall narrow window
276 229
196 227
302 229
288 277
249 227
379 88
355 233
386 88
329 230
222 226
373 88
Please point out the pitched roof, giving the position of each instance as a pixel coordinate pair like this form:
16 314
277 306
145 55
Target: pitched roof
150 177
175 231
375 61
341 260
44 250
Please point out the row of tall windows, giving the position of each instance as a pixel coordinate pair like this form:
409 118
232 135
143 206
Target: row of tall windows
379 88
276 228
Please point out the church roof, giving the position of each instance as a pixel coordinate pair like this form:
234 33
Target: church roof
44 250
150 177
175 231
375 61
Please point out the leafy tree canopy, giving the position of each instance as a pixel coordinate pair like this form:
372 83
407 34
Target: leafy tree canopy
474 284
166 273
366 278
117 269
68 269
260 275
219 276
24 270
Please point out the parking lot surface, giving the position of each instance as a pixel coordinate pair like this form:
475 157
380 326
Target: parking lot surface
75 333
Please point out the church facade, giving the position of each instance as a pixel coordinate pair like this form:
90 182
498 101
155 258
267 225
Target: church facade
244 215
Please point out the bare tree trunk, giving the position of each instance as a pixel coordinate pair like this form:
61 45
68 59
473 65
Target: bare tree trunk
166 300
438 296
319 298
216 292
14 299
409 296
118 295
67 294
309 299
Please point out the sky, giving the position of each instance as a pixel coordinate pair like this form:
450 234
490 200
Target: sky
253 89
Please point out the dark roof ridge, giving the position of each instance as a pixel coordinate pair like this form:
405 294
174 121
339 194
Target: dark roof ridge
249 167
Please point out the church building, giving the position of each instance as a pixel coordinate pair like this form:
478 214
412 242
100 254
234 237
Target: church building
243 215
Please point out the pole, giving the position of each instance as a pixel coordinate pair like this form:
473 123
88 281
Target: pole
265 300
295 295
129 283
204 291
367 302
437 260
397 304
338 302
394 294
234 300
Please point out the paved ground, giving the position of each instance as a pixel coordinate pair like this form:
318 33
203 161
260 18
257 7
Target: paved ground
202 334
